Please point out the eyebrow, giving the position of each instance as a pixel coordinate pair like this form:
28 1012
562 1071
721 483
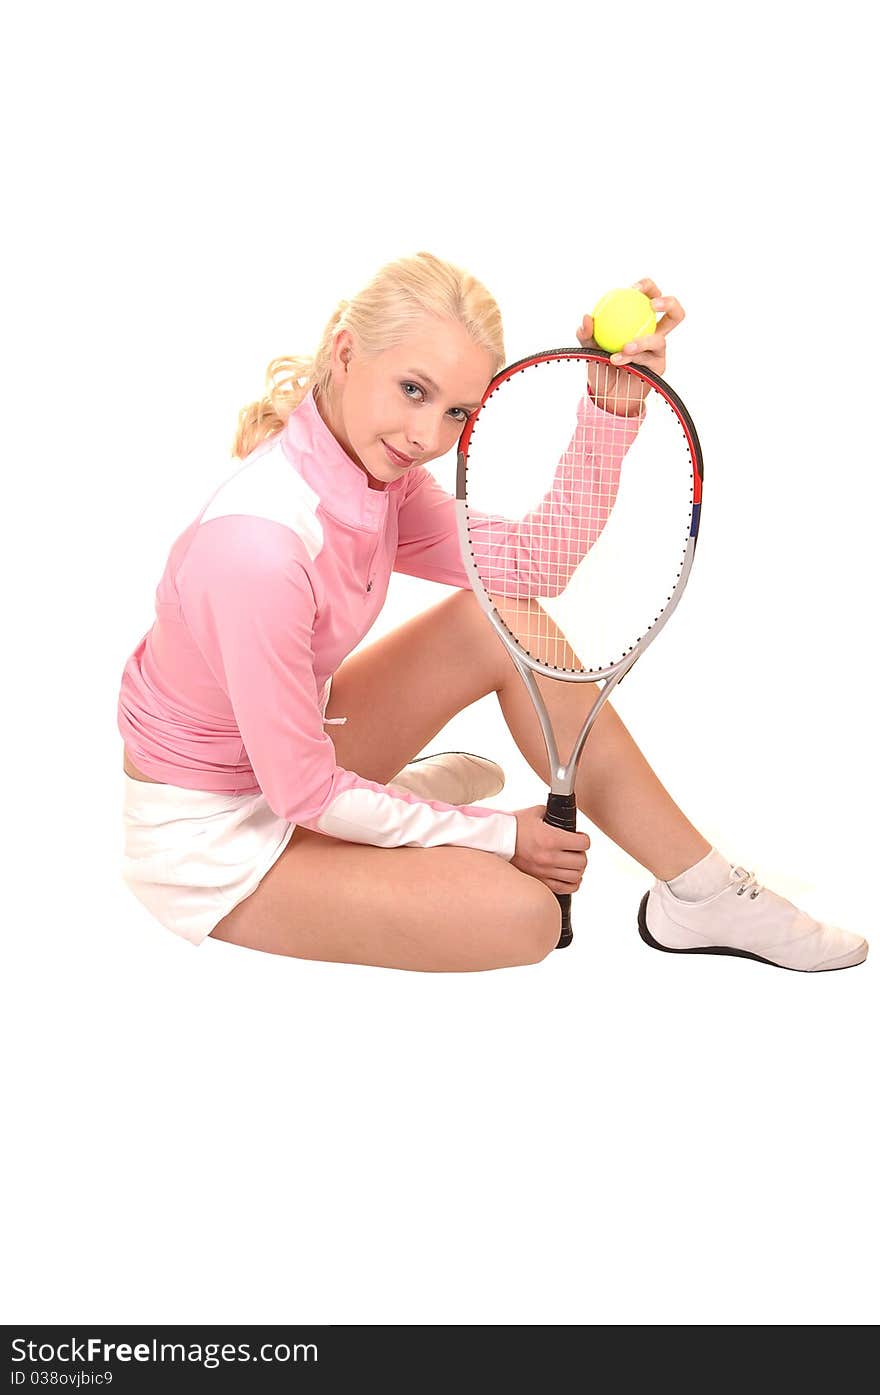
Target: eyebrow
471 406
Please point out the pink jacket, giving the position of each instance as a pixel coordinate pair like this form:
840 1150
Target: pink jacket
263 597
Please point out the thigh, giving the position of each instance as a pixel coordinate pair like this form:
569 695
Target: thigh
445 909
398 693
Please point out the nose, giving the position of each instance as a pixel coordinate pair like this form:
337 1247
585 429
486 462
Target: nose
426 435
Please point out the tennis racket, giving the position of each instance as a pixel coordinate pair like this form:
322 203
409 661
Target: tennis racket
578 504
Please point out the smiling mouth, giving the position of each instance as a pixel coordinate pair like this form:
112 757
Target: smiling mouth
396 457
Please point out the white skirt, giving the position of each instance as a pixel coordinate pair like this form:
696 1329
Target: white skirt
191 856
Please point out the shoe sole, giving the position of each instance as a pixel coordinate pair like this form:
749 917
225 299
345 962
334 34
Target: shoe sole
725 949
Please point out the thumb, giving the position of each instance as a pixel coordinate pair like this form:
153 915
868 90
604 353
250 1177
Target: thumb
585 332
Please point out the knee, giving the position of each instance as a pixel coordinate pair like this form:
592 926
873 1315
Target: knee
535 927
479 636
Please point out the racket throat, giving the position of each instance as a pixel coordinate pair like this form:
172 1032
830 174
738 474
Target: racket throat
562 782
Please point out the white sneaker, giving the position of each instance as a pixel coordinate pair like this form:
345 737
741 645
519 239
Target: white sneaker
746 919
452 777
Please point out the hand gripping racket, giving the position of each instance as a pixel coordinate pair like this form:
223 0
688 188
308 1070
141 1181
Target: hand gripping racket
578 502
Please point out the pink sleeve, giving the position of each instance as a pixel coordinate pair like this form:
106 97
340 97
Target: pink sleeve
245 593
512 555
427 537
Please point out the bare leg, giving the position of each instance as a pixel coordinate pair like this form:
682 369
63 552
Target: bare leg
437 910
432 909
448 908
615 786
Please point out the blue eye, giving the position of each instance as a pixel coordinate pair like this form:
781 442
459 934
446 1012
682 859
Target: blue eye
463 415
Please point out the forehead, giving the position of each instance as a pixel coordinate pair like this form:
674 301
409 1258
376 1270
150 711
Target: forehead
432 329
444 351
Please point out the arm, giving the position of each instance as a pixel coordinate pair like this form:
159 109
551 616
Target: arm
512 555
246 595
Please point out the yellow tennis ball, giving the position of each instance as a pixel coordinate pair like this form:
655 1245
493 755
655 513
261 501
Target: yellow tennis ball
621 316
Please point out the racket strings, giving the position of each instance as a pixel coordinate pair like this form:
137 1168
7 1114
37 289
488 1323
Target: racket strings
579 499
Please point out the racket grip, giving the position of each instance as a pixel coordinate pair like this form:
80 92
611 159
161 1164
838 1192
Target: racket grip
562 813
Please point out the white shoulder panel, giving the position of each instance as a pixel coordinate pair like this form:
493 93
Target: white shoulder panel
269 487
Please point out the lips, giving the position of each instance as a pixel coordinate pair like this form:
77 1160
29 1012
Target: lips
397 458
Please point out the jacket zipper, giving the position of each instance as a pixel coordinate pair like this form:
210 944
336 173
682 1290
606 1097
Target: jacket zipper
375 550
370 567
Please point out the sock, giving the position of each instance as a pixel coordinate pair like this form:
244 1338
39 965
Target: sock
710 874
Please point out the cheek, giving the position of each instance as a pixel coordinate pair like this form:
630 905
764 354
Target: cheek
382 414
367 418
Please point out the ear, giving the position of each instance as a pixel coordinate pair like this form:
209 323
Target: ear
340 357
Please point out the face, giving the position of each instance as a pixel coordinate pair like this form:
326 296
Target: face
411 401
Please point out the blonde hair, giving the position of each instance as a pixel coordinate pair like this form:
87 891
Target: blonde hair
379 317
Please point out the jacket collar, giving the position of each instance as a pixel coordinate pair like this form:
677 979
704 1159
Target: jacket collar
341 486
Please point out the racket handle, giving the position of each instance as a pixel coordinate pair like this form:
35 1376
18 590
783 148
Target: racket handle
562 813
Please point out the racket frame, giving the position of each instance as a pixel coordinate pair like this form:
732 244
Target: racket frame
562 775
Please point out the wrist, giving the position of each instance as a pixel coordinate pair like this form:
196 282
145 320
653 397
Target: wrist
617 406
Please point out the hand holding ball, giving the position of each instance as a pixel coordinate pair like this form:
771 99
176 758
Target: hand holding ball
620 317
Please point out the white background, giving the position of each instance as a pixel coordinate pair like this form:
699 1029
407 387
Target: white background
612 1136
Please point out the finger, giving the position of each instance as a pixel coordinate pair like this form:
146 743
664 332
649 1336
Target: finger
571 848
578 842
585 331
567 862
673 313
647 287
563 888
568 866
555 861
648 344
647 358
656 363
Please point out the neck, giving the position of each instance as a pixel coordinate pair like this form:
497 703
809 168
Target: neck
325 412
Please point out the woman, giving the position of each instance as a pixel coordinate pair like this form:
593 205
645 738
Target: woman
266 809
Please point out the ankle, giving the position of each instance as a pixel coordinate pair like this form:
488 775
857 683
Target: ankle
684 859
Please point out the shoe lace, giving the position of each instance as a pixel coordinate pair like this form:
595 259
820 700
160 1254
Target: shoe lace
748 883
